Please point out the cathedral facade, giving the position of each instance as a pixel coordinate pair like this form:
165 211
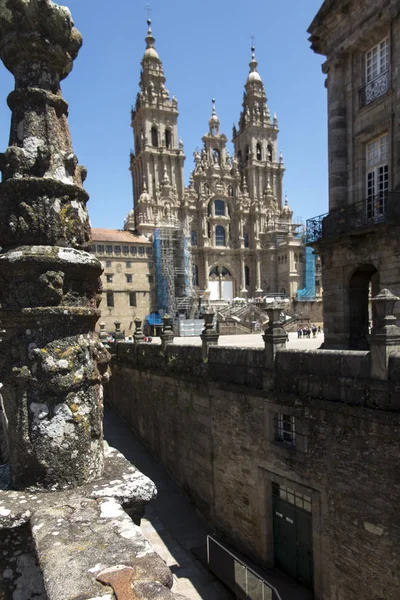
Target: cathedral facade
240 231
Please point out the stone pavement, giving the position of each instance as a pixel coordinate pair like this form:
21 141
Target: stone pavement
171 524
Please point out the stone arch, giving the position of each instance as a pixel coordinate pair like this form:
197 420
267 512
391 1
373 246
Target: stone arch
363 283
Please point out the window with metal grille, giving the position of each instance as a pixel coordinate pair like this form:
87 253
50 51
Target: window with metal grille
109 278
292 496
128 264
109 249
100 249
125 250
133 250
117 249
128 278
141 251
108 264
285 429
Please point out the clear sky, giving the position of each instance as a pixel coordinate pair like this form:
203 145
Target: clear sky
205 49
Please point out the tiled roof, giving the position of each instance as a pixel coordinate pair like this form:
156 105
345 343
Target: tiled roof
117 235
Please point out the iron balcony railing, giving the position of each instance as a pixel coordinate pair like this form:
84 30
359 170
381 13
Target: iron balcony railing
245 583
374 89
383 208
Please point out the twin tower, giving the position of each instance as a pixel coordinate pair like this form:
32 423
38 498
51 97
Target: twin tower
241 233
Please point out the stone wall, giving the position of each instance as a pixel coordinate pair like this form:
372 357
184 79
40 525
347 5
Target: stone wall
211 423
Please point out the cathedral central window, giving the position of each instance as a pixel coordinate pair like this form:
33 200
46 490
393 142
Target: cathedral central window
219 207
220 236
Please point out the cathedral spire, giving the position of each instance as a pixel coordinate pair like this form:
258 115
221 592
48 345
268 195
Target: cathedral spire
253 75
151 52
214 121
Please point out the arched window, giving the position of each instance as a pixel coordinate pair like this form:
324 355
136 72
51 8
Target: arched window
195 275
225 272
246 239
247 275
259 151
137 143
220 236
219 207
154 136
230 190
168 138
214 272
247 152
216 156
269 149
193 238
239 155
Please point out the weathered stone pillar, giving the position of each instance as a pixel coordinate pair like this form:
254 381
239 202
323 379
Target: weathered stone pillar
209 336
385 337
167 335
258 275
243 290
119 336
275 336
52 364
103 333
337 142
138 336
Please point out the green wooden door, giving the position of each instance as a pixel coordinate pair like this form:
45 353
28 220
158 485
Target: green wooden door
293 536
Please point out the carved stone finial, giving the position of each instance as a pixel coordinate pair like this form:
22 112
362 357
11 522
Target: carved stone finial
49 286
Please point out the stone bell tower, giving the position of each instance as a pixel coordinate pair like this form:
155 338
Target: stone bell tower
158 159
255 141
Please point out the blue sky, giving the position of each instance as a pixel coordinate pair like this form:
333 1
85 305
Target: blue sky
205 49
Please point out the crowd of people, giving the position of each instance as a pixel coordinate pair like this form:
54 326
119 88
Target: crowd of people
306 331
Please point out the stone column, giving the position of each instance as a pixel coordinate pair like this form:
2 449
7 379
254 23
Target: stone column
206 273
258 275
103 333
337 141
138 336
243 290
52 364
167 335
275 336
385 337
209 336
119 336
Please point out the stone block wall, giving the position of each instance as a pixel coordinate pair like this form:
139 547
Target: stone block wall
213 427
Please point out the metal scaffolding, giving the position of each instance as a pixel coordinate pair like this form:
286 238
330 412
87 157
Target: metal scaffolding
173 263
308 292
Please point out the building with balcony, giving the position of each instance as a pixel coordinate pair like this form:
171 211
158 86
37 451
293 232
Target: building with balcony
238 230
358 240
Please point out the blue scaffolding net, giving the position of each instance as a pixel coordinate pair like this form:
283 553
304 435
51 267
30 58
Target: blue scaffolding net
308 292
161 281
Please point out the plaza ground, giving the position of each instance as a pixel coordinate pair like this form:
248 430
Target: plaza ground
254 340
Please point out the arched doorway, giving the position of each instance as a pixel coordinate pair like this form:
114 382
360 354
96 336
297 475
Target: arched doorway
363 284
220 283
